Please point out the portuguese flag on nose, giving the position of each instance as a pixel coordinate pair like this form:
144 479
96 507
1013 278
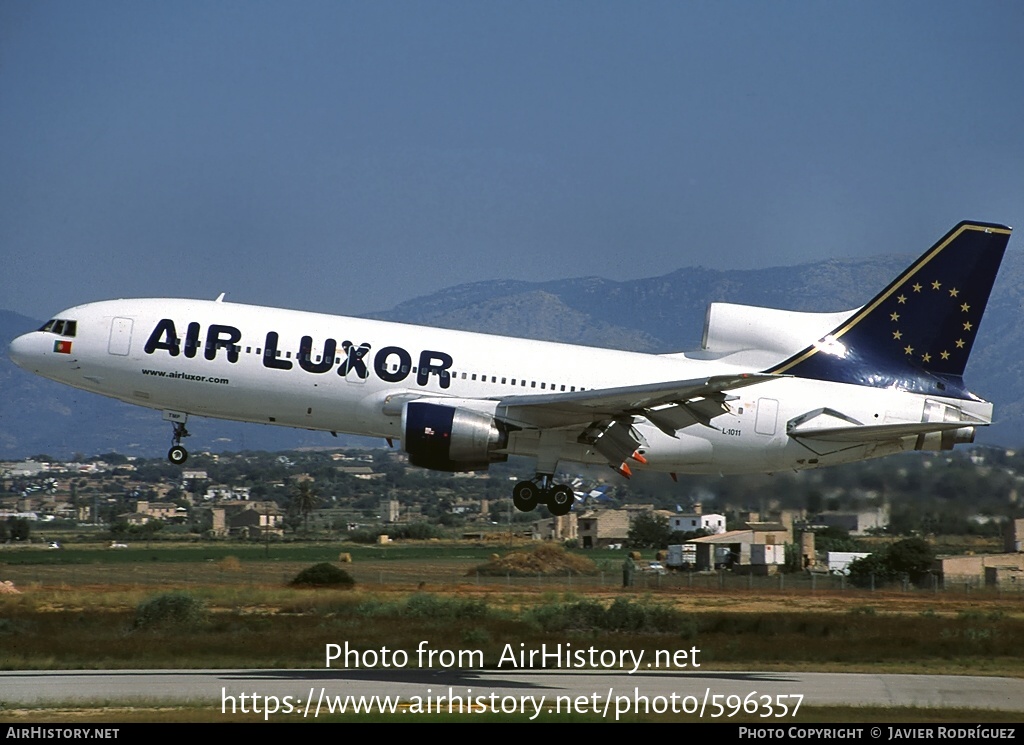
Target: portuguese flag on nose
62 347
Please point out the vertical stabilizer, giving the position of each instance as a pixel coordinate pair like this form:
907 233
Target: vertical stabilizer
917 334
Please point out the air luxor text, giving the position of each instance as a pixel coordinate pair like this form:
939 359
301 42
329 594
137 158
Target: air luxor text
562 656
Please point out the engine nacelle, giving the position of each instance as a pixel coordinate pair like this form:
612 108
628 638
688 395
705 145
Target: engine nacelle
938 411
451 438
946 439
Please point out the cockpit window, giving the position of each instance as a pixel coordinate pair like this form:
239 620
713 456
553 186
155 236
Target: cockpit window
60 326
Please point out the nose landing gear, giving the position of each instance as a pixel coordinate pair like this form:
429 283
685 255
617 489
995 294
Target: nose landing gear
177 454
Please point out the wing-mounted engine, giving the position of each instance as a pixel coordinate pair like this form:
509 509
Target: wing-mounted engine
448 437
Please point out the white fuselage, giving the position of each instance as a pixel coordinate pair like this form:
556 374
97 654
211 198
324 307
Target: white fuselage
211 359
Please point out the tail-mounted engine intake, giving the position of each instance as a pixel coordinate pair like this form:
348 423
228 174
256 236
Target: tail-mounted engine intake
450 438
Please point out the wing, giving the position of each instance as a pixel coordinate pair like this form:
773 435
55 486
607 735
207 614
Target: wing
606 416
683 401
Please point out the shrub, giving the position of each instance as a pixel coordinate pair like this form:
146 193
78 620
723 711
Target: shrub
410 532
425 606
622 615
323 575
862 610
365 535
170 609
476 638
230 564
433 607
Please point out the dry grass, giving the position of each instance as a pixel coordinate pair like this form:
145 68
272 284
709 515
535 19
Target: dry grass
82 616
276 626
230 564
545 559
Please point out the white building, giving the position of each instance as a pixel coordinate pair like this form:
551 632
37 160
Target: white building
687 523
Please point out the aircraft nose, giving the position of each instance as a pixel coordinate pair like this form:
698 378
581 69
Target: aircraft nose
21 350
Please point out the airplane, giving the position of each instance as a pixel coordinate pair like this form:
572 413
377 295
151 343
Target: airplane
768 390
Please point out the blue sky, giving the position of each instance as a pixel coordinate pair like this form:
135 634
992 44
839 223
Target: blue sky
346 156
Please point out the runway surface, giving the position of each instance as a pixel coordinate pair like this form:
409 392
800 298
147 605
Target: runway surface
304 688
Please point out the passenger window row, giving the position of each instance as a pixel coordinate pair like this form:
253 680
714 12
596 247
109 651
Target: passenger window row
519 382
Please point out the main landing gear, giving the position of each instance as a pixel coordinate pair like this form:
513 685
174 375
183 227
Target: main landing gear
177 454
526 495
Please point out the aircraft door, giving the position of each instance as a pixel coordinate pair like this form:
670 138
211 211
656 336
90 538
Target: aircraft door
767 416
120 342
355 362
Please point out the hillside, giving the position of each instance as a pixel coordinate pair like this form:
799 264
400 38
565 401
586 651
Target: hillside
657 314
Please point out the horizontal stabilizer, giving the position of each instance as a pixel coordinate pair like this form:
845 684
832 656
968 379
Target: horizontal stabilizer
878 432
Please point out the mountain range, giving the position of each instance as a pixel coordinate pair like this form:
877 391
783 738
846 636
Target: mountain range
657 314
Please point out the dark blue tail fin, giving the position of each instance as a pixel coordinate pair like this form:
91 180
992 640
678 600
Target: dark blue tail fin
917 333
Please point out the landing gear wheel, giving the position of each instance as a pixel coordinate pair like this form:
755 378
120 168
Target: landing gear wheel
560 500
525 496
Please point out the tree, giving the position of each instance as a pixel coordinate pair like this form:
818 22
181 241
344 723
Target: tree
649 531
912 556
833 538
871 571
18 528
682 536
305 499
148 529
120 529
